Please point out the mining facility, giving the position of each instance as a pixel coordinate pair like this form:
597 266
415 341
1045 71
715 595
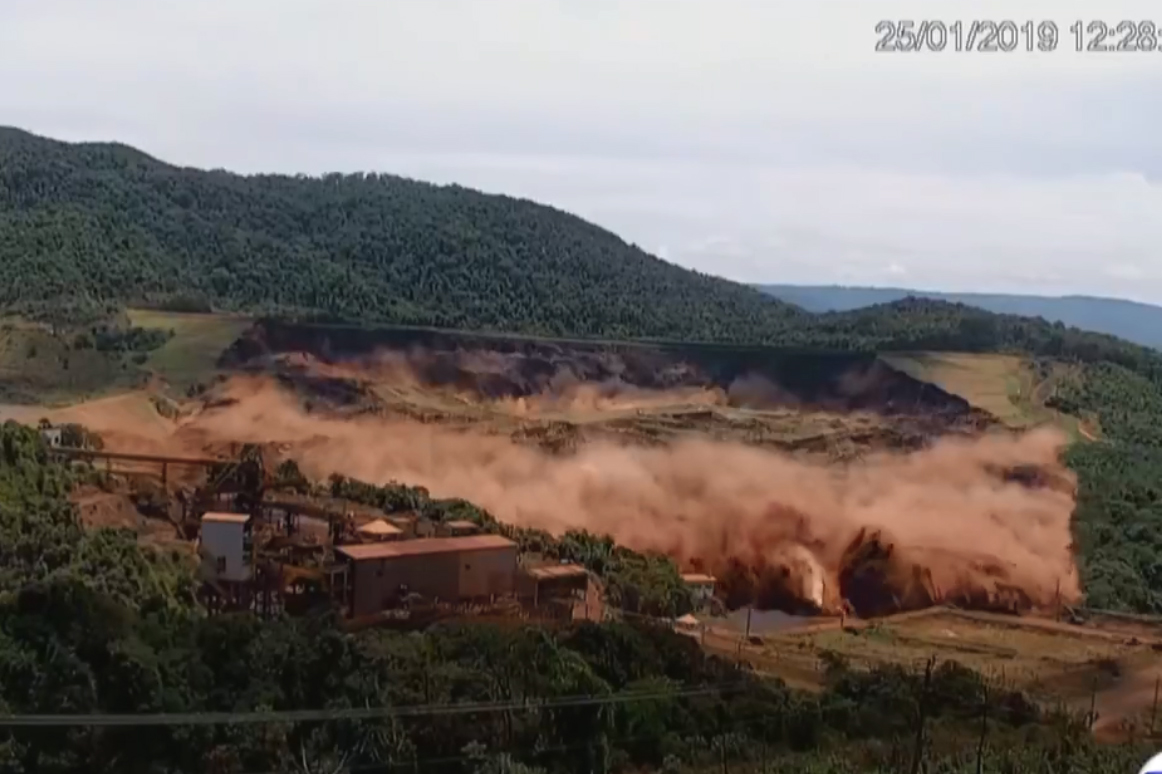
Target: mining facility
276 551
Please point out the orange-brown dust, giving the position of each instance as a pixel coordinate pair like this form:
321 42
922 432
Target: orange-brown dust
890 532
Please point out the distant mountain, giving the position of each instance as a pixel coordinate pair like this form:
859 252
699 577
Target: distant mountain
1130 320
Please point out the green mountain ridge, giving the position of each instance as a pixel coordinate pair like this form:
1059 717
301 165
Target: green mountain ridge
88 228
1131 320
84 224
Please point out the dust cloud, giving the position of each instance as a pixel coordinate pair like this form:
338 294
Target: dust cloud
893 531
494 379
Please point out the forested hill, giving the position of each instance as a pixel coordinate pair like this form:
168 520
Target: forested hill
1130 320
93 226
103 222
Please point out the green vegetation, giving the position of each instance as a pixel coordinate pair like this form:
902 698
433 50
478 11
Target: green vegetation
89 227
91 622
1119 513
1010 387
191 354
86 224
44 364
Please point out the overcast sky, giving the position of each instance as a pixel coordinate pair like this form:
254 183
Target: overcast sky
760 140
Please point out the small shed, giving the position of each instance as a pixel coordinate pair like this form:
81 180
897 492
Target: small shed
53 436
224 539
688 624
553 581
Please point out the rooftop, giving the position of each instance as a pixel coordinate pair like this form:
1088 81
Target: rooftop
461 524
424 546
698 579
545 572
379 527
226 518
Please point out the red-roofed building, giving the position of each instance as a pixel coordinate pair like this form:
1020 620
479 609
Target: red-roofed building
445 569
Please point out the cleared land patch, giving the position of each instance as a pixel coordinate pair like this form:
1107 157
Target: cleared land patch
1054 662
38 365
198 341
1009 387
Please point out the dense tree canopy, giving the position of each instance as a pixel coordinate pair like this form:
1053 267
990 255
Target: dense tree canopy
95 222
1118 520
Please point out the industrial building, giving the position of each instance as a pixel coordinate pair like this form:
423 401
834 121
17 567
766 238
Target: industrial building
225 544
561 590
52 435
438 569
701 586
553 580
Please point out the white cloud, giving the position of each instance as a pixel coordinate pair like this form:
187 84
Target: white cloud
760 139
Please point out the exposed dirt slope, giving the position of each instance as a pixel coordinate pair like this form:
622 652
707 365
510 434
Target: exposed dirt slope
980 521
494 367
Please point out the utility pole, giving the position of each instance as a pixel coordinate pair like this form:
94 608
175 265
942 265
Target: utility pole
1154 706
922 717
984 729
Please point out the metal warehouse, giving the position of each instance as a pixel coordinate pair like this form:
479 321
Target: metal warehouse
445 569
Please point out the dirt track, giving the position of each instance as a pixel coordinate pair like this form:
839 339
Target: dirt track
1131 701
1122 690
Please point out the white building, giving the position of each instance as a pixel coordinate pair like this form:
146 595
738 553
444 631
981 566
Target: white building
224 544
53 436
701 586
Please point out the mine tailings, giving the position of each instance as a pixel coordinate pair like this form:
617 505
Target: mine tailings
497 366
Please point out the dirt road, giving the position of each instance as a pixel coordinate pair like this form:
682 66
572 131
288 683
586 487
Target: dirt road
1130 702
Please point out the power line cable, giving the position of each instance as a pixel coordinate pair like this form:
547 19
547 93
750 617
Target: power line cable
368 713
416 764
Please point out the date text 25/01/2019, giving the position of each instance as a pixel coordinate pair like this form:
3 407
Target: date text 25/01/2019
1007 35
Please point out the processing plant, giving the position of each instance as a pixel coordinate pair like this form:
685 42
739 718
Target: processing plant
273 551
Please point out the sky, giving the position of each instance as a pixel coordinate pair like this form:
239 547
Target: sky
760 140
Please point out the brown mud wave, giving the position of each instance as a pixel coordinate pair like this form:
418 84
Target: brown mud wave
982 521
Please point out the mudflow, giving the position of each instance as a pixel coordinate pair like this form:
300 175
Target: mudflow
982 522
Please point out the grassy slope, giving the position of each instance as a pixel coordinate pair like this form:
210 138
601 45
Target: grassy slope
192 354
38 367
1006 386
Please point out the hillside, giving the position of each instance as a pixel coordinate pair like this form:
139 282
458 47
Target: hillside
1130 320
87 229
97 621
104 226
86 224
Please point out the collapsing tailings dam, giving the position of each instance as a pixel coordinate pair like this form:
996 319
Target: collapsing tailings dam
556 373
982 521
